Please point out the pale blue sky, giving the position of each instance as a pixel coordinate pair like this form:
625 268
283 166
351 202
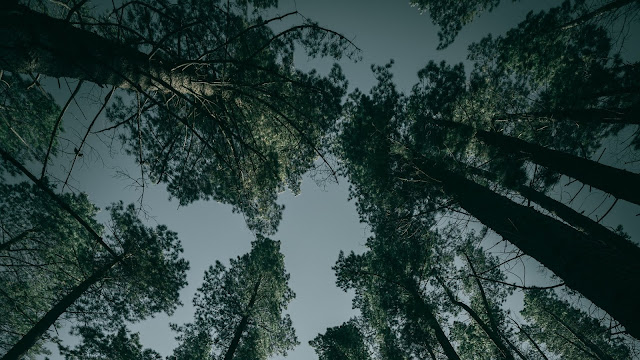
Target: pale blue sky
320 222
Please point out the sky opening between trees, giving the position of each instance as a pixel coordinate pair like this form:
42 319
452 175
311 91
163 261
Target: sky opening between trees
254 179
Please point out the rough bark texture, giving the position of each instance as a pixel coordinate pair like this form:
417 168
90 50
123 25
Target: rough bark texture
31 42
605 275
36 332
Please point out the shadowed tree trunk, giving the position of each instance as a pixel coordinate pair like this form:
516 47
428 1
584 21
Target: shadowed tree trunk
494 336
31 42
617 182
36 332
603 274
613 5
427 314
243 324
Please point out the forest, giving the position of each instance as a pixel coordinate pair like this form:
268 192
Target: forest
497 194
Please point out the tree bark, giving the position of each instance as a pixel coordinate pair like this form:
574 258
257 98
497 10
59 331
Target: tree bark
36 332
603 274
31 42
233 346
617 182
566 213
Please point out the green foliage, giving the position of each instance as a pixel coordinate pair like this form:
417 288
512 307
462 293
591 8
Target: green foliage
452 15
27 115
149 278
120 345
567 331
258 125
344 342
44 251
239 309
46 254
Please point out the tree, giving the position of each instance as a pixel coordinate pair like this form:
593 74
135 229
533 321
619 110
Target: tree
427 158
120 345
214 106
451 16
344 342
27 115
390 281
239 309
568 331
89 284
43 252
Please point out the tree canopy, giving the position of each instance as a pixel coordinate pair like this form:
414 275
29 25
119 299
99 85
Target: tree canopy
480 167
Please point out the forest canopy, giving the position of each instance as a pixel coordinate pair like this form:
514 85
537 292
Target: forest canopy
516 155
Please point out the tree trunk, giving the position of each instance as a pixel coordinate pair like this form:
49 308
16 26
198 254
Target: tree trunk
16 239
544 356
36 332
63 205
577 220
603 274
617 182
31 42
614 5
493 335
242 326
432 322
627 116
586 342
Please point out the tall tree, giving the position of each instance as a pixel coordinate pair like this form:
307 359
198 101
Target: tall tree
239 309
344 342
87 283
27 115
428 159
214 107
568 331
451 16
390 281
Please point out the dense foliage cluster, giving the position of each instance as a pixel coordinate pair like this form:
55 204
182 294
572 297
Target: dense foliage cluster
208 101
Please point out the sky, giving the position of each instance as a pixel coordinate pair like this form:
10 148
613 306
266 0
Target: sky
319 222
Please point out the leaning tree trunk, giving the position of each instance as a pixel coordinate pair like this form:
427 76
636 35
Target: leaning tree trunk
36 332
612 6
31 42
617 182
564 212
233 346
605 275
432 322
627 116
493 335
